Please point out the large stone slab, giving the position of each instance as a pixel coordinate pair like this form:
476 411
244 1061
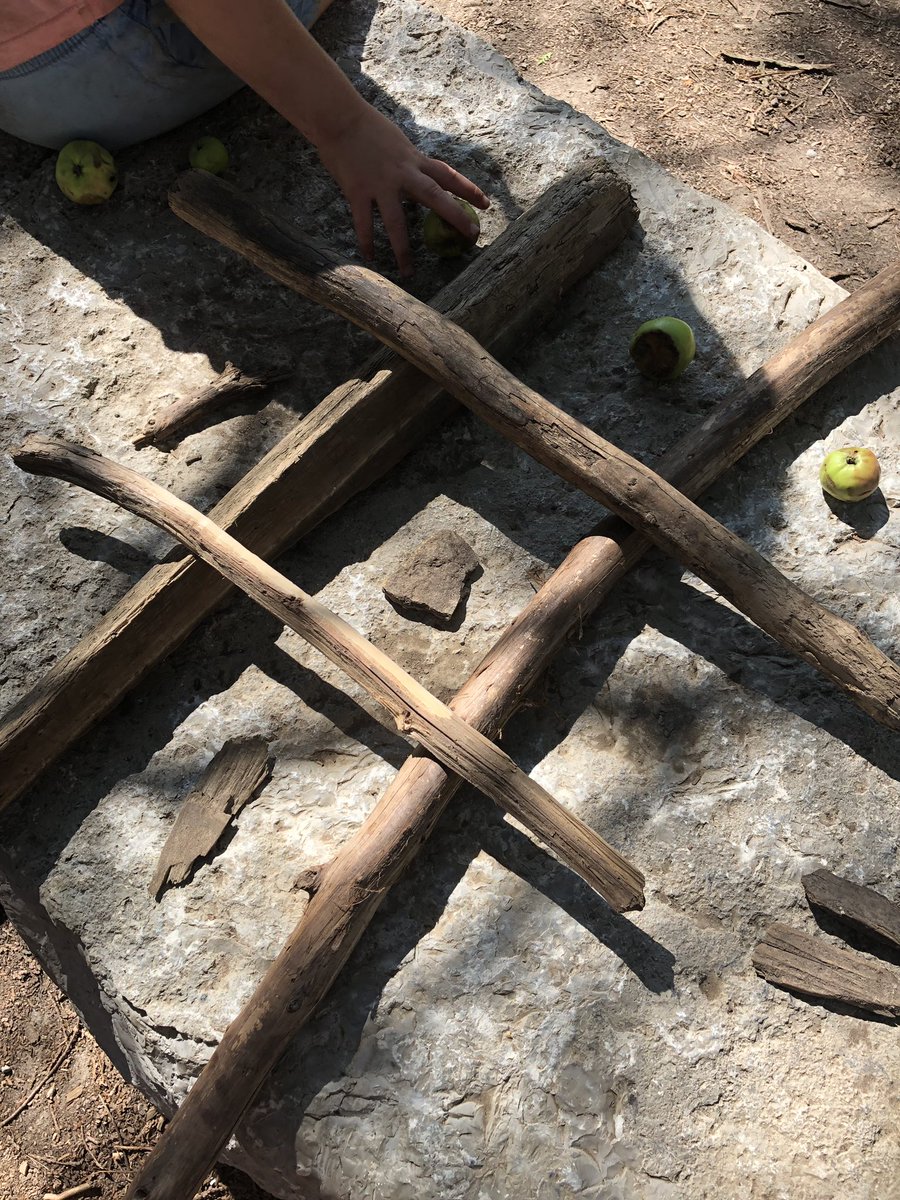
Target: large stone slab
498 1034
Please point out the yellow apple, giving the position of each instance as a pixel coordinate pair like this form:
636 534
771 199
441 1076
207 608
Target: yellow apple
443 239
663 348
208 154
86 172
851 473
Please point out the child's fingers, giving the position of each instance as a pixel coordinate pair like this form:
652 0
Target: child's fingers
394 220
451 181
429 193
361 210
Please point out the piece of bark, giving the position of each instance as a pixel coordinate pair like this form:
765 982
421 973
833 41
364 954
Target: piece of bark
862 907
350 439
417 714
231 780
183 414
432 578
347 892
828 642
813 967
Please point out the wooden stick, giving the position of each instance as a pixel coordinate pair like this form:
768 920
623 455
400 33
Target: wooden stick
186 412
233 778
829 643
356 434
813 967
418 715
862 907
350 889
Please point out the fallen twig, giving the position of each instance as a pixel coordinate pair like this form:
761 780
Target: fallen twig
81 1189
178 417
49 1074
779 63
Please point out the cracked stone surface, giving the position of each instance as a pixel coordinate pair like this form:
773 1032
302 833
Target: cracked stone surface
497 1035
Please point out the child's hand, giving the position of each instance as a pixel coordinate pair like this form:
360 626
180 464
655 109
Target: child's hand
374 162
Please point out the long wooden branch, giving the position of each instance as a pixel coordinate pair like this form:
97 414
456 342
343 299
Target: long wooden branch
418 714
441 349
351 438
351 888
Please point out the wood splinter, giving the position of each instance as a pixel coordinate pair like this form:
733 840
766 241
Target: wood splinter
418 714
183 414
813 967
861 907
232 779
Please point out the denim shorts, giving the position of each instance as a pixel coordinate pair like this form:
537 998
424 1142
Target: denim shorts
131 75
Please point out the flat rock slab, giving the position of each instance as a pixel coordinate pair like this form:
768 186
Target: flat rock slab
497 1034
431 580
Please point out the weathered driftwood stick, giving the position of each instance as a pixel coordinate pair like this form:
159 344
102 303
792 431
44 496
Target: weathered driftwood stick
350 439
862 907
350 889
352 886
187 411
450 355
418 715
232 779
813 967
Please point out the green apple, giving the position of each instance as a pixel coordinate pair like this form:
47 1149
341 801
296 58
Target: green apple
86 173
208 154
663 348
851 473
443 239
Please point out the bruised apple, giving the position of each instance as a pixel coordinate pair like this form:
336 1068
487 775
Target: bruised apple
663 348
851 473
86 172
443 239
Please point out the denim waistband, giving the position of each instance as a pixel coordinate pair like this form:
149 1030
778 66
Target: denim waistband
134 9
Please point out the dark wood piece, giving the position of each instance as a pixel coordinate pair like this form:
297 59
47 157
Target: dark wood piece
350 439
451 356
230 781
862 907
417 714
177 418
347 892
813 967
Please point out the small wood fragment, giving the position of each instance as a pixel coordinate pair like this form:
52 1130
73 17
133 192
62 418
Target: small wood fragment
861 907
813 967
181 415
431 580
232 779
780 64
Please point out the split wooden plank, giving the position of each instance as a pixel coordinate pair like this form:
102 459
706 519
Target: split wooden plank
418 715
813 967
349 440
453 357
232 779
862 907
177 418
349 890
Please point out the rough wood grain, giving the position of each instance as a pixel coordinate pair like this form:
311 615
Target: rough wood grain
350 439
347 892
451 356
861 907
231 780
813 967
417 714
173 421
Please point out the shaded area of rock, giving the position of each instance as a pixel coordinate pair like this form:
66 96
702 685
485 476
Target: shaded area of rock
432 580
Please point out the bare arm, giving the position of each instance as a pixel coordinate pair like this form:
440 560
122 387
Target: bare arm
371 159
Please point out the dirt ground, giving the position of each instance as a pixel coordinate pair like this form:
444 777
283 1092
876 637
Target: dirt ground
733 96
